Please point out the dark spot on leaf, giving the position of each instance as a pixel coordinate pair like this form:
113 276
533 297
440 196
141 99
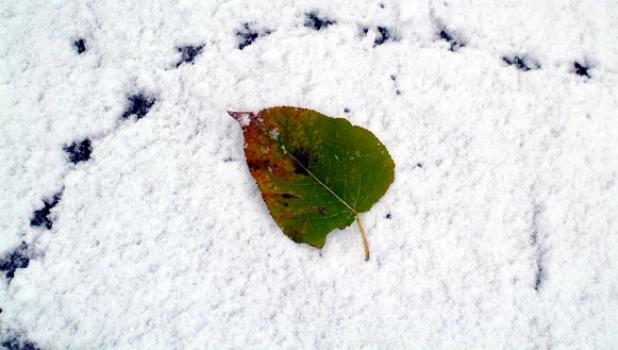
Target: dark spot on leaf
139 106
581 69
188 53
289 195
522 63
18 259
301 164
41 216
321 210
382 37
317 23
80 45
17 343
388 216
296 236
253 165
79 152
455 44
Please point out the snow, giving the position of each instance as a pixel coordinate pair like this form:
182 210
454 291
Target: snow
499 231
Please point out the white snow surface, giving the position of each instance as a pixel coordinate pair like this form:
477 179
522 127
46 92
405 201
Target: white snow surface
499 231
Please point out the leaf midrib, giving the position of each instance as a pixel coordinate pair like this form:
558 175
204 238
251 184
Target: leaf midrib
320 182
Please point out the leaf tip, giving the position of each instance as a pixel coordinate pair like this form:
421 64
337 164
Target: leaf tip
242 117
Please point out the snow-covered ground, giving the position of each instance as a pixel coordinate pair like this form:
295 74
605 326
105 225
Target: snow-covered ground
129 219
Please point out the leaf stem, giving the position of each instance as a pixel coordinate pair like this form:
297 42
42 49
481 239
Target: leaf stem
362 230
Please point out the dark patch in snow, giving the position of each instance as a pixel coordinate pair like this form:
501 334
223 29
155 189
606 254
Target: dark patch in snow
17 343
522 63
18 259
535 240
80 45
79 152
388 216
41 216
455 44
248 36
383 35
581 69
365 30
539 277
420 165
188 53
140 105
346 110
317 23
393 77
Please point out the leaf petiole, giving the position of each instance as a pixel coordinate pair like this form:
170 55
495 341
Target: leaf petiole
362 230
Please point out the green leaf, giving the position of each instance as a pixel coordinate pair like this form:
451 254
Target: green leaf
316 173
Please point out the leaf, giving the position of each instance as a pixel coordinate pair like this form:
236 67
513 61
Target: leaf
316 173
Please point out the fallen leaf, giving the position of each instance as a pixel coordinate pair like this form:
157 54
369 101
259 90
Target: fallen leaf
316 173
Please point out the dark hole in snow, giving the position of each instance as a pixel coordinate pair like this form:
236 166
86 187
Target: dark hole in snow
317 23
16 343
444 35
381 5
188 53
382 37
79 152
247 36
393 77
139 106
522 63
80 45
346 110
581 69
41 216
17 259
388 216
539 279
455 44
420 165
365 30
398 92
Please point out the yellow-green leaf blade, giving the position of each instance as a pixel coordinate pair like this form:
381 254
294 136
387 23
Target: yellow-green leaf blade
315 172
